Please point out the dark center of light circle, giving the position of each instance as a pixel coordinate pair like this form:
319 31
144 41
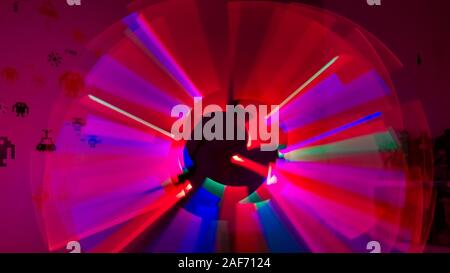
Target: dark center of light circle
212 159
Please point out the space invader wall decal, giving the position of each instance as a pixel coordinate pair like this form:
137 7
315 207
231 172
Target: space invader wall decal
5 146
46 144
3 108
91 140
21 109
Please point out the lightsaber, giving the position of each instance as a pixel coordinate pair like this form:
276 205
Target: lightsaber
303 86
131 116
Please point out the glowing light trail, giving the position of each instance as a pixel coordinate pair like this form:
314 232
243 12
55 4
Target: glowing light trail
131 116
150 40
303 86
333 132
249 164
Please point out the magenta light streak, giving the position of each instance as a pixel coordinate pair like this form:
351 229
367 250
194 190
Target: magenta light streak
118 132
363 181
346 221
331 97
148 37
114 78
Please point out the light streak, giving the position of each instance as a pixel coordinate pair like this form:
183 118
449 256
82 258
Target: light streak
131 116
303 86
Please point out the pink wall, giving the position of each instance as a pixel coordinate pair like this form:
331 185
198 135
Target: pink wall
27 37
